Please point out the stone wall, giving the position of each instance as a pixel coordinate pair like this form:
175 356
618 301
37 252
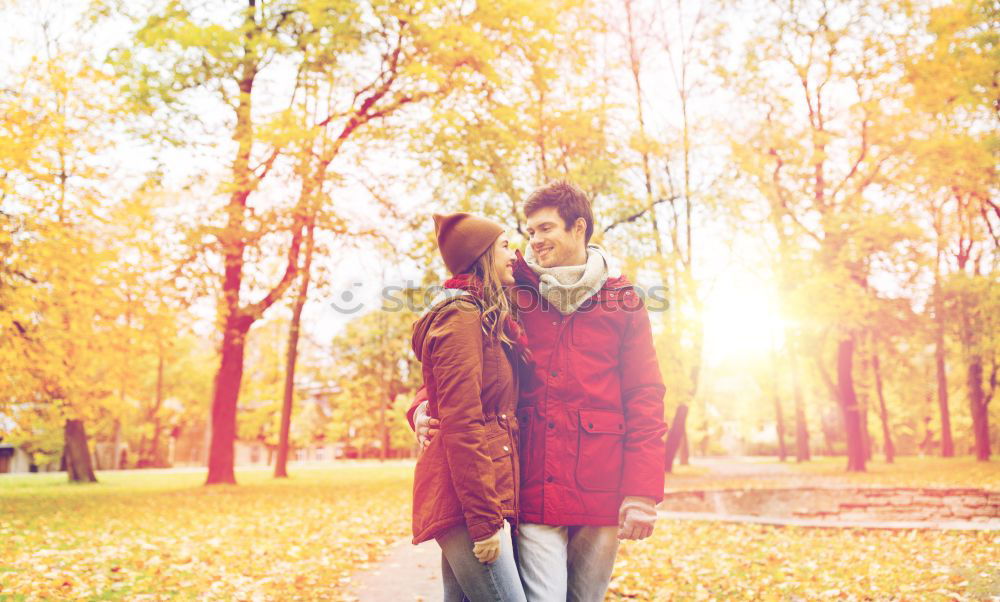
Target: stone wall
844 504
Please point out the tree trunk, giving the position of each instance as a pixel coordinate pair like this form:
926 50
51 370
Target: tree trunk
890 449
866 438
383 433
79 468
849 405
236 323
685 458
782 452
675 435
155 455
978 408
947 445
779 416
281 465
863 388
828 437
224 400
116 446
801 427
697 348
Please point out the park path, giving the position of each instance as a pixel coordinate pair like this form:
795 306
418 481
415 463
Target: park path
408 573
411 573
741 467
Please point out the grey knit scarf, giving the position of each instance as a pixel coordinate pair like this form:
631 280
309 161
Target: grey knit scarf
567 287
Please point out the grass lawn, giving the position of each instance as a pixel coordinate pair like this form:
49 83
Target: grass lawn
162 535
715 561
688 560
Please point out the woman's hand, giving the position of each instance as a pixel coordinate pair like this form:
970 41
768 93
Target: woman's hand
488 550
427 427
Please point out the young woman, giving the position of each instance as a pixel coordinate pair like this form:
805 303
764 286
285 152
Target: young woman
465 487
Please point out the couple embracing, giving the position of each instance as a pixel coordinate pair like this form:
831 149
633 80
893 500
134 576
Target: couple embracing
541 416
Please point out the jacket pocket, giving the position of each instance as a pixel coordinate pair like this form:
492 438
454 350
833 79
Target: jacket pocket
503 468
600 455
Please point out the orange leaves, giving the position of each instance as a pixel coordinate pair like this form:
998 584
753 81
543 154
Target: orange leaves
715 561
157 535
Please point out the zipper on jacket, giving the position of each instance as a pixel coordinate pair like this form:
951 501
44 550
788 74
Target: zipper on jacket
514 473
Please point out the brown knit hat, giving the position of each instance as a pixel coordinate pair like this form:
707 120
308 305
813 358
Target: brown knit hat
463 237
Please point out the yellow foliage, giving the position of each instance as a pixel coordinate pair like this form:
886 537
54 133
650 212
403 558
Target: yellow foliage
164 535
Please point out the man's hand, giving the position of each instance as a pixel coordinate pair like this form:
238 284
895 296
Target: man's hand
636 517
427 427
488 550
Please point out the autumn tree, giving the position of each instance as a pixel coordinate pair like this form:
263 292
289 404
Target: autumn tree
953 74
377 372
57 196
366 60
676 186
819 152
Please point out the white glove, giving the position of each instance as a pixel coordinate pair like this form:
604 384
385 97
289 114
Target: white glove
488 550
636 517
426 426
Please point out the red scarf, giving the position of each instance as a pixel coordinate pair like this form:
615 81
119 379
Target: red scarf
474 286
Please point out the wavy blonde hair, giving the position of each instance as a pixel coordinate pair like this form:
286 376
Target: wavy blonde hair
497 304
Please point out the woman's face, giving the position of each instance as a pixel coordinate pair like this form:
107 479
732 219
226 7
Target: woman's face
503 260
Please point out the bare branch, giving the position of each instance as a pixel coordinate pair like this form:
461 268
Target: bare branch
633 217
256 310
863 153
986 218
783 199
266 165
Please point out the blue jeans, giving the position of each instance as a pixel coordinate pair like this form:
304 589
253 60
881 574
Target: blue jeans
462 573
566 563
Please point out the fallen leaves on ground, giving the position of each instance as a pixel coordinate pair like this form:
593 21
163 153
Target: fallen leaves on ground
156 536
688 560
693 560
159 535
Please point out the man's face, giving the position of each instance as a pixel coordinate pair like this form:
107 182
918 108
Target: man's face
554 245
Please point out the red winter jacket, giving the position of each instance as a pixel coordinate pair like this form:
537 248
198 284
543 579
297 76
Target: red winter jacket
591 412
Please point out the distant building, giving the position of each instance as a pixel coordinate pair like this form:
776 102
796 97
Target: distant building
13 459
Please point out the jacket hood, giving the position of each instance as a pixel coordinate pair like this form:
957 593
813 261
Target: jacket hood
423 324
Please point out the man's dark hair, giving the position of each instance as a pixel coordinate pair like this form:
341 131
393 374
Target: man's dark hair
568 200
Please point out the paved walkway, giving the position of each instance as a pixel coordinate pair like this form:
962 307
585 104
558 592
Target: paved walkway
411 573
742 467
408 573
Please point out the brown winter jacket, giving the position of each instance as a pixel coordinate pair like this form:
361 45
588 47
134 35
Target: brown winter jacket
469 473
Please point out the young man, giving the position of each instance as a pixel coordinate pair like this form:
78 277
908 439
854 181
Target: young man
590 410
